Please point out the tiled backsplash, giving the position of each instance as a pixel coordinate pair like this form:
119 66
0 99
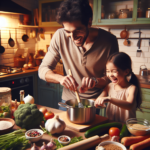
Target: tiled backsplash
20 47
35 44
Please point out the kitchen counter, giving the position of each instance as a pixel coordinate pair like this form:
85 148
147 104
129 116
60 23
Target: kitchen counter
46 138
70 132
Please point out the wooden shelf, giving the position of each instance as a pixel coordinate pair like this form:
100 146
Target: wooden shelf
28 26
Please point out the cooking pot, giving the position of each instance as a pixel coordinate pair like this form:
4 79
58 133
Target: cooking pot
144 71
80 115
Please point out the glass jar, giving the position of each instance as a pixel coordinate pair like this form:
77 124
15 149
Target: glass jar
148 13
123 13
5 102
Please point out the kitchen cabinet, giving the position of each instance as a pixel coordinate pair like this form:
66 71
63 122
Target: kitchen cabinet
145 106
120 12
47 12
49 94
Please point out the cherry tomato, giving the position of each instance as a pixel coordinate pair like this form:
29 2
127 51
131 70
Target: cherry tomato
43 110
48 115
113 131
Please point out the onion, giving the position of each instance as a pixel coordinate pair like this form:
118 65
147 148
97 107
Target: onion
34 147
44 147
50 144
43 110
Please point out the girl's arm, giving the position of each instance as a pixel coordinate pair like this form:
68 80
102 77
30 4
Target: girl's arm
125 104
103 94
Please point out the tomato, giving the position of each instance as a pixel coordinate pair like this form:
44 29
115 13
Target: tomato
113 131
43 110
48 115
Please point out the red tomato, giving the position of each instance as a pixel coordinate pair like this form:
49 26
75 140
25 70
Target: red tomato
43 110
48 115
113 131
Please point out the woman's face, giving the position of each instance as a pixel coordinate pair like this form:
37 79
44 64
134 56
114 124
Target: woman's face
115 74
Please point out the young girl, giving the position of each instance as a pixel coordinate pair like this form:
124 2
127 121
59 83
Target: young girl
123 96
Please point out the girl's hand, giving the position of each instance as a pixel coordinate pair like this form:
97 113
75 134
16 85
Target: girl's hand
69 83
87 83
100 101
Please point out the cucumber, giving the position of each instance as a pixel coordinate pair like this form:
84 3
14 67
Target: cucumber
101 128
124 131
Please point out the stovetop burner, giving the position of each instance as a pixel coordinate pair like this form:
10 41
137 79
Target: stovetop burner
5 70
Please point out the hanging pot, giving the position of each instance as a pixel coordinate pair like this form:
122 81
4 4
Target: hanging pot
124 34
11 41
25 37
2 49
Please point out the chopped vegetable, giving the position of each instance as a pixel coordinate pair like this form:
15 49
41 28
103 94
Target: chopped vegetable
15 140
73 140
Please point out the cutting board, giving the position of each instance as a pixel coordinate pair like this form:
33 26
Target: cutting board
78 127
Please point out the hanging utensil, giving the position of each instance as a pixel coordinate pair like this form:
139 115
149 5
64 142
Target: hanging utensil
124 33
80 105
25 37
11 41
138 53
2 49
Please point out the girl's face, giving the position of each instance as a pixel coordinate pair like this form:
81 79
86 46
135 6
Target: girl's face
115 74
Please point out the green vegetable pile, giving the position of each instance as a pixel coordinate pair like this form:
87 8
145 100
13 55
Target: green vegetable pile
73 140
15 140
28 116
5 111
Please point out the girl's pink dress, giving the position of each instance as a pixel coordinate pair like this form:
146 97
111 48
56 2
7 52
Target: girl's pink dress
116 113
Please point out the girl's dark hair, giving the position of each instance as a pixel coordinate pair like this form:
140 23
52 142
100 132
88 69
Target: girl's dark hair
74 10
123 61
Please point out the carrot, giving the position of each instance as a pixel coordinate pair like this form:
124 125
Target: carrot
127 141
140 145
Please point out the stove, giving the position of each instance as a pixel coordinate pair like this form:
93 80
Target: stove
5 70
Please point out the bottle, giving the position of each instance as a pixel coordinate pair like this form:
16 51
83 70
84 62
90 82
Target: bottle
22 97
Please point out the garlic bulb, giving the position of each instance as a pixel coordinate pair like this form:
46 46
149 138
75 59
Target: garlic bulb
55 125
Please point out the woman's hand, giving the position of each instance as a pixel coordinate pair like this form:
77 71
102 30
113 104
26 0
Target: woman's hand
100 101
87 83
69 83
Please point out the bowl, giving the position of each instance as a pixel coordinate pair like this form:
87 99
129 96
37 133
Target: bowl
138 126
34 137
64 139
9 127
111 142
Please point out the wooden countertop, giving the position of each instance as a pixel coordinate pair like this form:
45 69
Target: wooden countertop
46 138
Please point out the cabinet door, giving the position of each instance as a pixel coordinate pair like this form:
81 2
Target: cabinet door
47 12
49 94
145 106
115 12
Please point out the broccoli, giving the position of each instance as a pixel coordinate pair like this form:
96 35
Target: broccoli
28 116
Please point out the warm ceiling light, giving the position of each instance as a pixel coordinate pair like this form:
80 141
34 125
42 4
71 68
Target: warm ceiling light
3 22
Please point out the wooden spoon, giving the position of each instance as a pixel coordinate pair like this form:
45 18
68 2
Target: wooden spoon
80 105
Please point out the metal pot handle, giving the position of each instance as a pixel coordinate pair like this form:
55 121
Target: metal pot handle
63 105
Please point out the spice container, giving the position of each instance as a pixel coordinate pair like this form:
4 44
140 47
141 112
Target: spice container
5 102
22 97
148 13
123 13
